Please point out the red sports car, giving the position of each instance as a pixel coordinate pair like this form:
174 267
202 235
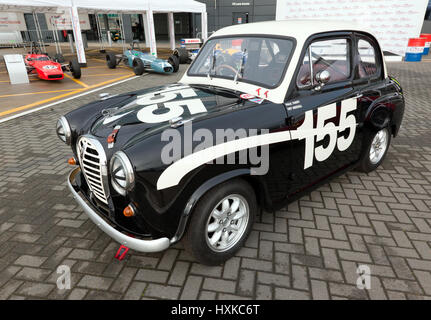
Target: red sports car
47 69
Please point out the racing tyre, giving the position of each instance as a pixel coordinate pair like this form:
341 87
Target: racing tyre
221 222
59 58
111 60
75 69
174 61
138 66
376 145
182 54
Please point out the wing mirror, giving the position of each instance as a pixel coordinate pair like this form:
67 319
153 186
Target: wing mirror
323 77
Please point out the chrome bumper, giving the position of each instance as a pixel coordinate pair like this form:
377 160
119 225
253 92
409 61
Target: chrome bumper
133 243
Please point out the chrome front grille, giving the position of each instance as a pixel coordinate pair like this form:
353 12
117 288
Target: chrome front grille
93 163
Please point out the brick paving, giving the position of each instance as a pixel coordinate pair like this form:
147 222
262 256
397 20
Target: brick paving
310 250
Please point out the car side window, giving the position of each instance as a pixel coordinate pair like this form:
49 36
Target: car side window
367 66
332 55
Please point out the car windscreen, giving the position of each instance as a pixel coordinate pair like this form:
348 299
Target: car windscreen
42 59
258 60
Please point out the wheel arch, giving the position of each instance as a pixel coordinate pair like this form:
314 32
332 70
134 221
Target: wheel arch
385 112
244 174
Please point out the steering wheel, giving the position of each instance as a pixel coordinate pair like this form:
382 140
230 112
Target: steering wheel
226 66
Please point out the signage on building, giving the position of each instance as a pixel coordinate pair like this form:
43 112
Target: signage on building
393 22
63 21
240 4
10 21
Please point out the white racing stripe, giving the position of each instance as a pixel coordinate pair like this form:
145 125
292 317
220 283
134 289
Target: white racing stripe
176 171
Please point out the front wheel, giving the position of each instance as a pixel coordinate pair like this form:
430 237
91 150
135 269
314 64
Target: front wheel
138 66
221 222
376 145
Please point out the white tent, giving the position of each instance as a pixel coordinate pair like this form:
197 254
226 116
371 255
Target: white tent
145 7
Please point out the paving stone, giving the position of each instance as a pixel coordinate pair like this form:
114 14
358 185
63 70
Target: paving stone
94 282
191 288
162 292
289 294
36 289
135 290
152 275
179 273
219 285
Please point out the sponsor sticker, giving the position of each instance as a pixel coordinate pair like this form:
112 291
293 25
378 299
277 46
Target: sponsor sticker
257 100
247 96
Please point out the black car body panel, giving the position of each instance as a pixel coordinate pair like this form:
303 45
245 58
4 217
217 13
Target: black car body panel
164 212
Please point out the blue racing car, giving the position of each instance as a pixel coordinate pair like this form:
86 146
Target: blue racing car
140 61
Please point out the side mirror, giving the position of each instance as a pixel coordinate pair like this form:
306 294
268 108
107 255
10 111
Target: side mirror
323 77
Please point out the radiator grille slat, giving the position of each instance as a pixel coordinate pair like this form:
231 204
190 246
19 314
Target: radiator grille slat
90 156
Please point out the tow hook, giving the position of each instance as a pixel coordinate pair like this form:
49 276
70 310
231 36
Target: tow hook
121 253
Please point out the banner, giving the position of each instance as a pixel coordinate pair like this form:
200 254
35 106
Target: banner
63 21
393 22
10 21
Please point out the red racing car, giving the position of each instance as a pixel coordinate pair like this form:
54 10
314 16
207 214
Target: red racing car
41 65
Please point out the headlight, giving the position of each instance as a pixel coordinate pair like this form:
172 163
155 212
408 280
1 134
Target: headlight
122 175
63 130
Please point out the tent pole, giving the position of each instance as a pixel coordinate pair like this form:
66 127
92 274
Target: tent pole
147 35
171 29
122 32
80 52
204 26
99 31
38 32
149 24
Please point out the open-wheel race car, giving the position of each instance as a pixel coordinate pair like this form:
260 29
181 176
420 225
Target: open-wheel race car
141 61
296 103
189 50
44 67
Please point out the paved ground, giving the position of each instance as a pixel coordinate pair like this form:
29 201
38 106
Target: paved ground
310 251
22 97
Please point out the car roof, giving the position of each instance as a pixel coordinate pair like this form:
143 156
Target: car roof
299 29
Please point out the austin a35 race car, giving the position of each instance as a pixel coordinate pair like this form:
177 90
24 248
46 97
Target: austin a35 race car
141 61
45 68
304 102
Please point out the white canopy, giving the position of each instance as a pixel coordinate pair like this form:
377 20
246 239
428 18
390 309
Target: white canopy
103 6
145 7
32 5
137 6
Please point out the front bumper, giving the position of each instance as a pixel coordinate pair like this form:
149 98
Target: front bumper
130 242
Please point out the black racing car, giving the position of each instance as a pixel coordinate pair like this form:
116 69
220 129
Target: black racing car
265 113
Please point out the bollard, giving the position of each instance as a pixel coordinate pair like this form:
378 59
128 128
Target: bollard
415 49
427 36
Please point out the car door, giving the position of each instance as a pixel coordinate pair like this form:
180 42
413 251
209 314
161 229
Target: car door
368 80
323 117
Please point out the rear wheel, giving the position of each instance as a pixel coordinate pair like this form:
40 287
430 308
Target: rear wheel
138 66
376 145
111 60
182 54
75 69
174 61
221 222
